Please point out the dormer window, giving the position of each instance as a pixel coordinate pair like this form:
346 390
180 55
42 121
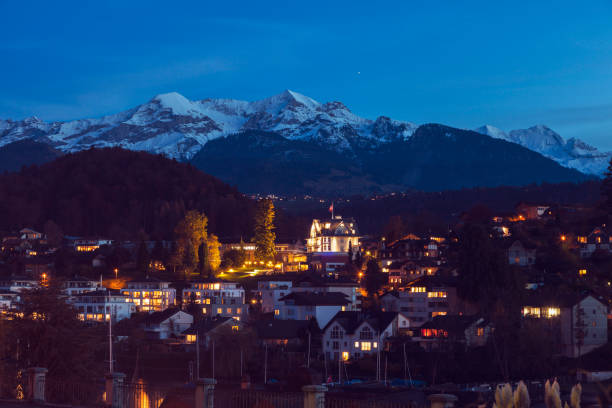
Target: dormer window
336 333
366 334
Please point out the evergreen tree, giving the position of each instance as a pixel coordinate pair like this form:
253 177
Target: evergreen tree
349 253
143 258
214 256
374 278
264 231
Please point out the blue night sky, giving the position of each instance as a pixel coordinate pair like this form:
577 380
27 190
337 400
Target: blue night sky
461 63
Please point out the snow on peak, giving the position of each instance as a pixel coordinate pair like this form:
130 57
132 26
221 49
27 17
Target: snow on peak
573 153
176 102
492 131
277 103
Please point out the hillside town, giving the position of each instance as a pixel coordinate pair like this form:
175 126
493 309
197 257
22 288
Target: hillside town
498 297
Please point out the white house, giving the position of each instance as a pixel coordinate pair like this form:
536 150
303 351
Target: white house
581 322
150 294
352 335
8 300
329 242
521 254
271 291
308 305
167 324
217 298
102 305
79 284
18 284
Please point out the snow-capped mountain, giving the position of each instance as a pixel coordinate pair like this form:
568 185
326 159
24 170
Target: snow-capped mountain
178 127
572 153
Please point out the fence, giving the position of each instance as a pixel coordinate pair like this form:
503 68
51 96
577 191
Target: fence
140 395
257 399
336 401
74 393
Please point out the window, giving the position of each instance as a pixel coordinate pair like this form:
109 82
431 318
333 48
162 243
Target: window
345 355
480 332
582 272
335 345
276 312
238 310
366 333
366 346
439 294
356 344
191 338
235 328
219 310
336 333
229 310
417 289
375 344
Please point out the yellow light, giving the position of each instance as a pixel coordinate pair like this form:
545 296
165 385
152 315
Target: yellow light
563 238
231 270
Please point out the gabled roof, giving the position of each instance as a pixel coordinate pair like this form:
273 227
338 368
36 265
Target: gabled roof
159 317
208 324
281 329
454 323
431 281
78 278
350 320
317 298
538 299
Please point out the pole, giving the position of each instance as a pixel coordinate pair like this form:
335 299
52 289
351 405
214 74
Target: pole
339 369
197 354
110 339
266 365
404 362
378 359
386 360
308 365
241 363
213 360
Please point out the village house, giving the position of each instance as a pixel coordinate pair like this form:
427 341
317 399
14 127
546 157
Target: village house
444 331
352 335
411 248
402 272
86 244
598 239
521 254
290 258
424 299
18 284
79 284
285 333
329 242
150 294
9 301
580 323
308 305
217 298
531 211
270 291
102 305
29 234
324 285
169 323
208 327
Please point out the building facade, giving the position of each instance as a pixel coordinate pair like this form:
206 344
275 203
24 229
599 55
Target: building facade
217 298
150 295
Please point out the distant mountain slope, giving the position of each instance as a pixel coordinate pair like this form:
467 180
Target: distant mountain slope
119 194
303 146
572 153
177 127
435 158
14 156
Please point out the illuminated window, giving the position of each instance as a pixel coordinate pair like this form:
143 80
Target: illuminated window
552 312
345 355
238 311
356 344
191 338
208 301
235 328
343 308
434 314
417 289
436 294
219 310
582 240
276 312
229 310
204 310
582 272
480 332
366 346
